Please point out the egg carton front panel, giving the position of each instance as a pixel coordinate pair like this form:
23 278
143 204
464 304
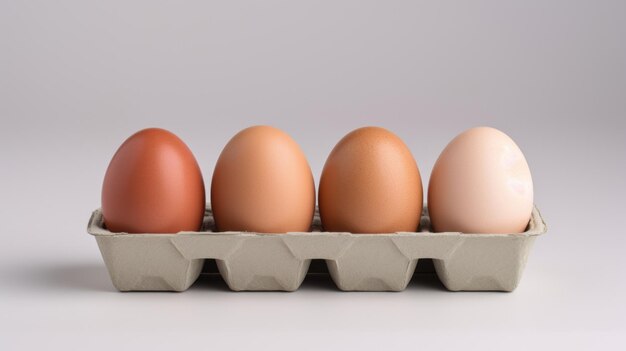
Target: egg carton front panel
356 262
140 263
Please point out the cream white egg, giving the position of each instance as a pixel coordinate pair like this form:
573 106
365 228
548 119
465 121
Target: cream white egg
481 183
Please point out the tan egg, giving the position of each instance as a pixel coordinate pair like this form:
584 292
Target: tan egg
262 183
370 184
481 183
153 185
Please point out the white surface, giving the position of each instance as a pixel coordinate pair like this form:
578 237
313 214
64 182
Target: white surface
77 78
70 303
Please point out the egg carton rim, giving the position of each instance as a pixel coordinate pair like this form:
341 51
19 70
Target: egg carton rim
536 227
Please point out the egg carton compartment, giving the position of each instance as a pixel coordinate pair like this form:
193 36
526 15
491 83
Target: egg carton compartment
356 262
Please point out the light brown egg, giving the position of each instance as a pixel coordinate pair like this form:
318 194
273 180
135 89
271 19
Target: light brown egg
481 183
370 184
153 185
262 183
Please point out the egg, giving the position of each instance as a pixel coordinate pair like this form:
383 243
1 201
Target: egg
370 184
262 183
481 183
153 185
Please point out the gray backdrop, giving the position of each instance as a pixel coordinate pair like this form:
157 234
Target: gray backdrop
78 77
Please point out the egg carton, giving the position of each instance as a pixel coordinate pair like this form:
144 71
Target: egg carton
356 262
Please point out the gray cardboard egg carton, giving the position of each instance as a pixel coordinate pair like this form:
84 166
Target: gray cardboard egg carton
356 262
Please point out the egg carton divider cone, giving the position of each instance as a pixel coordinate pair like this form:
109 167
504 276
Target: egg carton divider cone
356 262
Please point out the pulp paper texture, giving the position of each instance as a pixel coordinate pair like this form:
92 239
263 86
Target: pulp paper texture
356 262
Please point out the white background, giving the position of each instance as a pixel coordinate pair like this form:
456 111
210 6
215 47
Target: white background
77 78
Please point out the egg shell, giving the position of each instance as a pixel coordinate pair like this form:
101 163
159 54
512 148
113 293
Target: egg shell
153 185
262 183
370 184
481 183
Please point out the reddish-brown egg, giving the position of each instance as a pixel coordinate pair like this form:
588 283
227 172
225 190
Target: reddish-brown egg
262 183
370 184
153 185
